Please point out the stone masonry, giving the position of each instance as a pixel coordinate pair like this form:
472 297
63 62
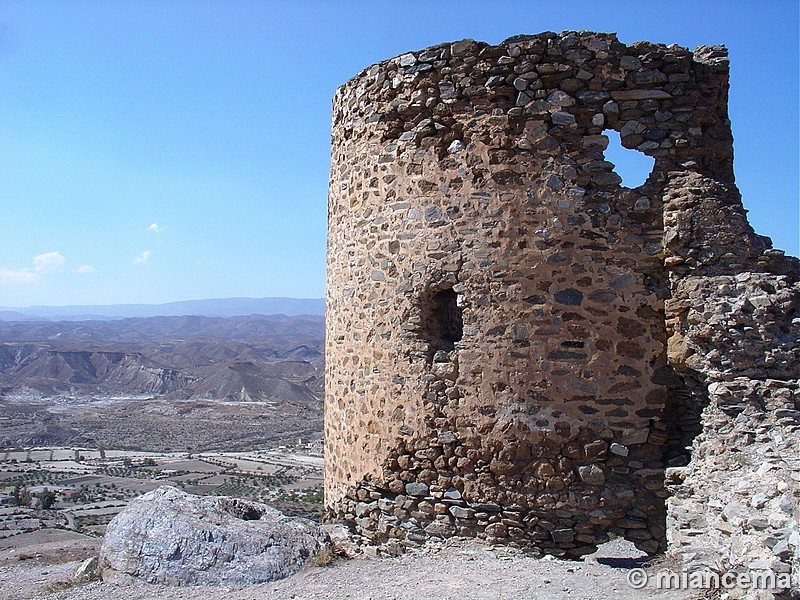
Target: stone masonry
519 347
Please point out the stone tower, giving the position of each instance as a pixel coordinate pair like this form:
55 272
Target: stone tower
497 342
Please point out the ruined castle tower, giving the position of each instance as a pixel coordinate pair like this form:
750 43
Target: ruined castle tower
497 343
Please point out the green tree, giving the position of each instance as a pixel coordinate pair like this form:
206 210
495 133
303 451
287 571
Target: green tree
46 499
22 497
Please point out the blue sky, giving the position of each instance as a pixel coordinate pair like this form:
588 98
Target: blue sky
161 151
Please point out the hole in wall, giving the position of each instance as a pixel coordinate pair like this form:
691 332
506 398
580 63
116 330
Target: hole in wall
632 165
241 509
442 325
683 416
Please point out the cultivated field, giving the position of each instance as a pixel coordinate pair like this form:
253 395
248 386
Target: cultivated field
56 498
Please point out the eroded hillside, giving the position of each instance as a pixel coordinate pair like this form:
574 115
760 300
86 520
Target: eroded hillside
161 382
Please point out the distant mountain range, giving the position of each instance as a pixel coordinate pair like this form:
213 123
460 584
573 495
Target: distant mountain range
258 358
220 307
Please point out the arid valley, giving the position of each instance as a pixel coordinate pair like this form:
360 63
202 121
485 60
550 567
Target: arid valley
95 413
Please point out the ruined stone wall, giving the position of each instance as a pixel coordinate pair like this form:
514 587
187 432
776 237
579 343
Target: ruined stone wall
735 337
496 336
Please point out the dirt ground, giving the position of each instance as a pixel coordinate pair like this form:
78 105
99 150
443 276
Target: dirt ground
31 562
456 569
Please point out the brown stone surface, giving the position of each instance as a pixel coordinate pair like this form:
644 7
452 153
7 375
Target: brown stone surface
497 344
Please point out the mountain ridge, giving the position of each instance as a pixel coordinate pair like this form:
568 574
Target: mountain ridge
211 307
274 358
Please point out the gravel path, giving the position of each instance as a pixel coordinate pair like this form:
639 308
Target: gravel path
458 569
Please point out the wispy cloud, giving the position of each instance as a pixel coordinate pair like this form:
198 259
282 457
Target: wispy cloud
17 276
142 258
156 228
49 262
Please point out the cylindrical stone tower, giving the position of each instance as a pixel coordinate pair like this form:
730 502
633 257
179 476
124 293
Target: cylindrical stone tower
496 341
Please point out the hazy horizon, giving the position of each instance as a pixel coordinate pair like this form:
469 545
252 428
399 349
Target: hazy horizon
164 303
206 307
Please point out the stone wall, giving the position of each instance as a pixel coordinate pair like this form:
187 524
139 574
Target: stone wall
736 506
497 342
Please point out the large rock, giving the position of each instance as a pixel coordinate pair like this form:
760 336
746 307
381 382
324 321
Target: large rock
169 536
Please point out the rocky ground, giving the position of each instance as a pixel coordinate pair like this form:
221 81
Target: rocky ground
34 562
458 569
